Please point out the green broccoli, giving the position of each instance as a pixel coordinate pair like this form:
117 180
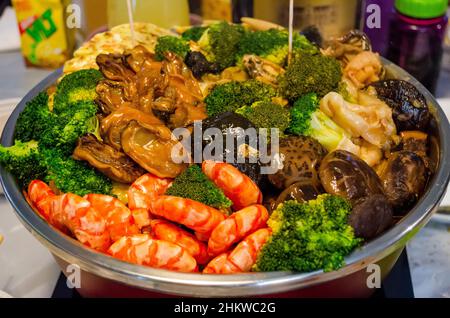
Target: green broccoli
24 161
194 33
273 45
309 236
29 161
310 74
74 122
34 119
220 43
173 44
193 184
308 120
233 95
266 114
69 175
45 139
76 87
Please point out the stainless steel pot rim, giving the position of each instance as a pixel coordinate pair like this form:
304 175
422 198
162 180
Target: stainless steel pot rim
226 285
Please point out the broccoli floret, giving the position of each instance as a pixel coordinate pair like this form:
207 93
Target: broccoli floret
34 119
172 44
308 120
194 33
273 45
309 236
69 175
29 161
310 74
76 87
24 161
221 43
76 121
267 114
233 95
193 184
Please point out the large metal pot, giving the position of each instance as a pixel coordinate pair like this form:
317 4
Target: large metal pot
105 276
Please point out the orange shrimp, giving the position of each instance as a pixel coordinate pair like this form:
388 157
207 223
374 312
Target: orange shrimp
237 226
239 188
70 212
85 222
242 258
119 221
142 249
166 231
40 195
202 237
142 192
192 214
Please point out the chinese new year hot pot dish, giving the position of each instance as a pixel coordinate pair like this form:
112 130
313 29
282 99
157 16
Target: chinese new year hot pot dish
139 162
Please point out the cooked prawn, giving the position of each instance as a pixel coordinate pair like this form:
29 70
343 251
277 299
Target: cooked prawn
142 192
242 258
192 214
166 231
40 195
85 222
142 249
70 212
119 221
239 188
237 226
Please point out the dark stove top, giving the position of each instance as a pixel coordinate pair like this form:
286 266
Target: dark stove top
397 285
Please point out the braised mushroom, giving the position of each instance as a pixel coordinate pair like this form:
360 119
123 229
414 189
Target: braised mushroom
342 173
111 162
151 147
371 216
299 191
404 180
410 108
232 127
199 65
300 157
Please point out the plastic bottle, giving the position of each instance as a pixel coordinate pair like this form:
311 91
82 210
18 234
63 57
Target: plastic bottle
416 38
376 19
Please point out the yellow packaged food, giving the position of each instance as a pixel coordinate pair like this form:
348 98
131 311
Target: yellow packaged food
45 40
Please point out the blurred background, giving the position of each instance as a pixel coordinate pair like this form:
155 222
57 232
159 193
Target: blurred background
38 36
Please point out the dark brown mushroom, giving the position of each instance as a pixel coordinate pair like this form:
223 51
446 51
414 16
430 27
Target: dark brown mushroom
404 180
342 173
299 191
152 148
301 158
410 108
112 163
371 216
